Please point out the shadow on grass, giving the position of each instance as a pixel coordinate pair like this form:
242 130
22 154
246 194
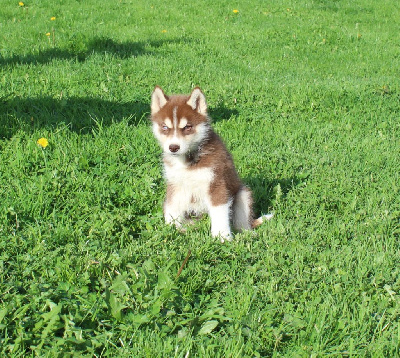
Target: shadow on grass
221 113
79 48
266 193
81 115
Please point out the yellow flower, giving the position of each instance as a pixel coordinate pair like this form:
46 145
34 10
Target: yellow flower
52 18
43 142
48 33
21 4
164 31
235 11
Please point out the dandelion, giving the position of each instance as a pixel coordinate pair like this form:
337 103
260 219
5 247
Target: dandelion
43 142
48 34
164 31
235 11
21 4
52 18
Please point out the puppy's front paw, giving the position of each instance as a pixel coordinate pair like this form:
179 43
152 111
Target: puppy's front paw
223 236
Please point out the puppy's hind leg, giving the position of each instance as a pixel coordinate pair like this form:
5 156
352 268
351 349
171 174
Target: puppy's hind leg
242 216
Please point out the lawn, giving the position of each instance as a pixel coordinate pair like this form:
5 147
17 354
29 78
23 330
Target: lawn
306 95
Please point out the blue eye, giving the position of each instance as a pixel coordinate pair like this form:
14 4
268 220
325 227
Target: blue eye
164 127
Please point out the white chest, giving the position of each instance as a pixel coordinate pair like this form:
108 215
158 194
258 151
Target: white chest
191 186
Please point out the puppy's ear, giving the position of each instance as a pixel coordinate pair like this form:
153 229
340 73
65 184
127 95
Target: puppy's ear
158 100
197 101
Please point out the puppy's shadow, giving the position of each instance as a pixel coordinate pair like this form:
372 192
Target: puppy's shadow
268 193
221 113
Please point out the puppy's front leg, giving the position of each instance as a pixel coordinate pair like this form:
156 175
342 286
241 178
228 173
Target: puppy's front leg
219 216
173 207
172 216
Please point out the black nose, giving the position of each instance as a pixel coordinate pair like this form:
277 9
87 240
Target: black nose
174 148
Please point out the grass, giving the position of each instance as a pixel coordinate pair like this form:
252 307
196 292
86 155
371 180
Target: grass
305 95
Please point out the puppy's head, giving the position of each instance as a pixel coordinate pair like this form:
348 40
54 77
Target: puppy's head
180 123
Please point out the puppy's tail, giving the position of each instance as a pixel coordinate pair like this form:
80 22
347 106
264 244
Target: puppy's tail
261 219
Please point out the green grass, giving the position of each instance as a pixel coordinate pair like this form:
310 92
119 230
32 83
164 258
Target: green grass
306 96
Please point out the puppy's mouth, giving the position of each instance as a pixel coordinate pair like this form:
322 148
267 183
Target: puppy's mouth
174 154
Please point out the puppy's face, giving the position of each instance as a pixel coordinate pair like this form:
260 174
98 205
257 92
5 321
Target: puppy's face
180 123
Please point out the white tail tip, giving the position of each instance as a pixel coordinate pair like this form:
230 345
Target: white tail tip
267 216
261 219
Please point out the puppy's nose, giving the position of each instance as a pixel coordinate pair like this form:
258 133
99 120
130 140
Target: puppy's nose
174 148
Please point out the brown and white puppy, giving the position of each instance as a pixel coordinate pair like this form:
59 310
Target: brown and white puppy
199 171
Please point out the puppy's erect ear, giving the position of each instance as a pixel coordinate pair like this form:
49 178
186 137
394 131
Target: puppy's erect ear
197 101
158 100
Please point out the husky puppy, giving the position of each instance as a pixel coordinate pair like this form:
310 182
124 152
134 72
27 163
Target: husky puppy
199 170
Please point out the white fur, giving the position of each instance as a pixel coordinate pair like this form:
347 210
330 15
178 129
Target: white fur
219 216
267 216
242 211
183 122
156 132
190 195
158 100
175 117
168 123
202 130
263 218
188 186
197 101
